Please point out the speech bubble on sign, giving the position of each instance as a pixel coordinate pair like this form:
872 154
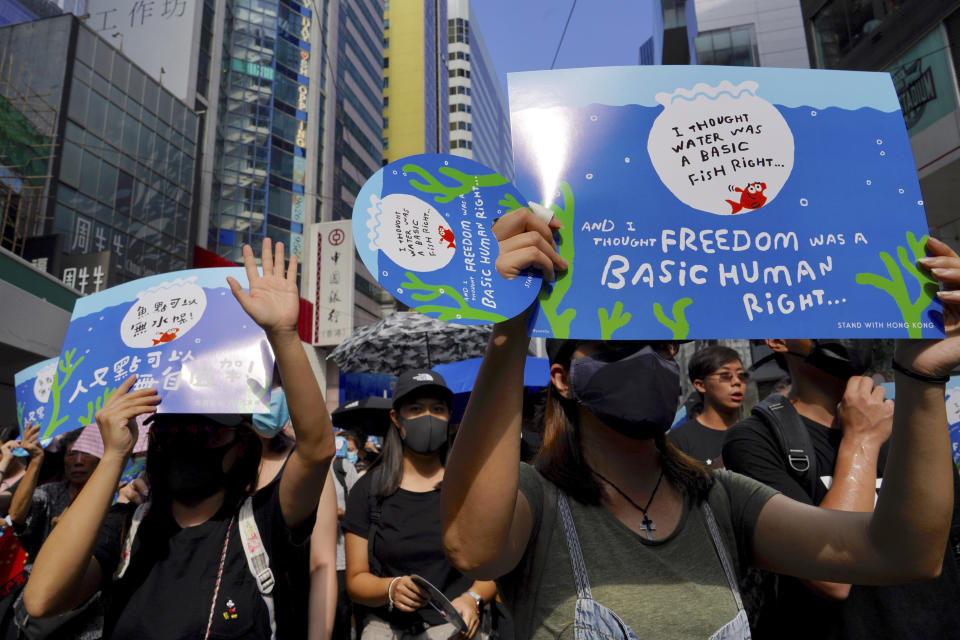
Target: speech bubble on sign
721 149
163 313
411 232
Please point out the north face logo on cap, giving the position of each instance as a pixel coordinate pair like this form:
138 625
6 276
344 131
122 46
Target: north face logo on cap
423 377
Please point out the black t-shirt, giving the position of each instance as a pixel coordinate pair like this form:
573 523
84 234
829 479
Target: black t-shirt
168 588
699 442
406 541
919 610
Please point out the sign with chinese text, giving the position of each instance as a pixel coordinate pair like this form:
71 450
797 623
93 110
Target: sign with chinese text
88 272
155 34
333 282
725 202
423 227
33 387
182 332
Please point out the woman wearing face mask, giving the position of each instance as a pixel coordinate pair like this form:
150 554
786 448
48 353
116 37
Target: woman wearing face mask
393 523
615 535
182 572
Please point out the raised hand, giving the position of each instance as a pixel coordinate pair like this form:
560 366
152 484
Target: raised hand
6 452
29 441
938 357
525 240
274 300
117 418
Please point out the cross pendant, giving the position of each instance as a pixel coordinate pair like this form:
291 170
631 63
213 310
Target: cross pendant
648 527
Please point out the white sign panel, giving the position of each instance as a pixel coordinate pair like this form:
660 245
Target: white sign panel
155 34
332 282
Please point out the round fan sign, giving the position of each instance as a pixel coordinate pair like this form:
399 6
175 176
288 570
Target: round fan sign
423 226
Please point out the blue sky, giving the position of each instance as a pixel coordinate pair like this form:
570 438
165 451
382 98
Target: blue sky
522 35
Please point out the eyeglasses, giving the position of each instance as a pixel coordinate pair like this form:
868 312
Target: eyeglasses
726 376
202 435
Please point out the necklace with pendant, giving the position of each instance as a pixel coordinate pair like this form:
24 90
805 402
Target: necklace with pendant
646 525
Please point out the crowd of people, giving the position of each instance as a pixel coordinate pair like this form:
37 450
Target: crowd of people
825 511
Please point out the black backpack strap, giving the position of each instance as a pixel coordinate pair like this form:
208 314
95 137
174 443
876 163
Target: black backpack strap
340 473
792 436
375 510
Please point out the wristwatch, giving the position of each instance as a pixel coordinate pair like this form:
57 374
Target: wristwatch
476 596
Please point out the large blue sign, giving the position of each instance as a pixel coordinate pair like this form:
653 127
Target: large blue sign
423 226
716 202
182 332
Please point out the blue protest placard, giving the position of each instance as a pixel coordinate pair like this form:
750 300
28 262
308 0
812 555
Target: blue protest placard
33 387
182 332
422 226
725 202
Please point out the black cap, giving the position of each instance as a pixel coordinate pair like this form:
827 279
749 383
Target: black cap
223 419
560 350
421 379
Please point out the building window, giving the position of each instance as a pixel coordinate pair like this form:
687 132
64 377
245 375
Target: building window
674 14
386 82
386 122
646 52
386 63
840 26
731 46
386 101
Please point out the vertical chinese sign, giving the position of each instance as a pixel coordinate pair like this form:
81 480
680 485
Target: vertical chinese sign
300 147
333 289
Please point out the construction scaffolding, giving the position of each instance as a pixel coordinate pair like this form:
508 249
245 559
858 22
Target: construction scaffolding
28 122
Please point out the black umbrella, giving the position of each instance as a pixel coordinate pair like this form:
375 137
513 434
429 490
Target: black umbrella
370 416
408 340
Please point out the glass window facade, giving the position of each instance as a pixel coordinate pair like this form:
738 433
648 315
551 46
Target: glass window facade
730 46
124 149
262 143
126 172
840 25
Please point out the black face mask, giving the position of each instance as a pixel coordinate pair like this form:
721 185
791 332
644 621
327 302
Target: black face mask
636 395
841 358
426 434
188 472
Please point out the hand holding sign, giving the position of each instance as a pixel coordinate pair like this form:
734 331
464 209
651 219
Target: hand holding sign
273 301
525 241
117 418
938 357
29 441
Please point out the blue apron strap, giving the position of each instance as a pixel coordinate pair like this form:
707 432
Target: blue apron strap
573 544
722 552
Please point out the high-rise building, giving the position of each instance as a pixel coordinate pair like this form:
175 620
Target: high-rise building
751 33
92 149
415 83
479 119
673 27
918 43
14 11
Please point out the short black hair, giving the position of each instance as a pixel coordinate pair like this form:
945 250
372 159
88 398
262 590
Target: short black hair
707 360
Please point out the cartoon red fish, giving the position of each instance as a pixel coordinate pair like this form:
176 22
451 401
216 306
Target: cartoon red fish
750 198
169 336
446 235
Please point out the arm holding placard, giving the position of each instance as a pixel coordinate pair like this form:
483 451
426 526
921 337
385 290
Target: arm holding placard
65 573
487 521
903 539
273 302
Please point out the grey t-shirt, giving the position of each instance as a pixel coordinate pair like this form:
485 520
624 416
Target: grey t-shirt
351 479
669 588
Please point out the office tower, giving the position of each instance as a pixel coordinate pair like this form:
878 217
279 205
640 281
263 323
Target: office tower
414 78
479 120
751 33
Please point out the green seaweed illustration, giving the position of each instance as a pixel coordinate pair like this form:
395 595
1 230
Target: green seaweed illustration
550 299
510 202
21 407
678 324
446 193
896 286
92 409
462 311
610 322
66 365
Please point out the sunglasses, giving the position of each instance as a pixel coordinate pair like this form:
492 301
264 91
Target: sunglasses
726 376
